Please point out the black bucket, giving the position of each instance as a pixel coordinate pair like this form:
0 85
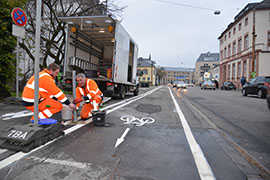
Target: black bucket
99 118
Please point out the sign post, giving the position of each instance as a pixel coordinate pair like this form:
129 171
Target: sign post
20 19
37 44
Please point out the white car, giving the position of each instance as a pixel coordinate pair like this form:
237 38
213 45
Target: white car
181 84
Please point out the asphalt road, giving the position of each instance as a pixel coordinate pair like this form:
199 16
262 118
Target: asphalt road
188 140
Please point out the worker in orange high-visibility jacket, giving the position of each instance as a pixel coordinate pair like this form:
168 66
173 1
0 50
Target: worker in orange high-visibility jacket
50 96
87 91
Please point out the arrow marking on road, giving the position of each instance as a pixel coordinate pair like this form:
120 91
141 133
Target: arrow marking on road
122 138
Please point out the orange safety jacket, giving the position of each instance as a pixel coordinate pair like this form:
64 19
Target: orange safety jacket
47 89
90 92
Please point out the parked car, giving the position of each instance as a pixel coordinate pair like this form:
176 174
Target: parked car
208 85
267 84
256 86
228 85
180 84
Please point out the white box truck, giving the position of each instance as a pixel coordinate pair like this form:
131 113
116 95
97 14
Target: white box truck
100 47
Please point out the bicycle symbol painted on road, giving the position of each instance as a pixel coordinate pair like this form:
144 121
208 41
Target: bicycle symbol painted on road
128 119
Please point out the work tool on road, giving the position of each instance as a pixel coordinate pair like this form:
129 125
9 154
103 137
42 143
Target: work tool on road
27 137
99 118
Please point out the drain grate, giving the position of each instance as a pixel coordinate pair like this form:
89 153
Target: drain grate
148 108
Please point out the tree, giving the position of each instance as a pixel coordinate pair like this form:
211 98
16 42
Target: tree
161 74
7 46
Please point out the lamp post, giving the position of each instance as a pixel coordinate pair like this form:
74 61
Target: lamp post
253 42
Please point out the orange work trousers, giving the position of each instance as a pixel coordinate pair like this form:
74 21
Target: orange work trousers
87 109
46 108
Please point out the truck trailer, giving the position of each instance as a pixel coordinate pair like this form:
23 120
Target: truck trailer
100 47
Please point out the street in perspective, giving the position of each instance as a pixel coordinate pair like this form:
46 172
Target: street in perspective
102 90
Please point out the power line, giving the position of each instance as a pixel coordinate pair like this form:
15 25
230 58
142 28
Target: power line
185 5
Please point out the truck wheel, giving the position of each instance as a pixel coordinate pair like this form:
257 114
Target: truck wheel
136 92
122 93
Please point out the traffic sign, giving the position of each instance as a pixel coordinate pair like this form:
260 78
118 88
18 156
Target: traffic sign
19 17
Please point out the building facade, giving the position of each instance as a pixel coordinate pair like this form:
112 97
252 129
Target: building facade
179 74
146 71
205 63
245 44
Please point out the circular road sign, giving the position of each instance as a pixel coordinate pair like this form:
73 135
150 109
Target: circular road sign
19 17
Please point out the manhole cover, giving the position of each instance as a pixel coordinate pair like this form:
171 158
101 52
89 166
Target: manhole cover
148 108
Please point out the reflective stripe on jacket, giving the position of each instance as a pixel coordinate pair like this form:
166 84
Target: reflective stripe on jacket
47 88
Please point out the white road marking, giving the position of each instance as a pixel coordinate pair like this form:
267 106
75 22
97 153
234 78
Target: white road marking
78 165
15 157
16 115
122 138
203 167
3 150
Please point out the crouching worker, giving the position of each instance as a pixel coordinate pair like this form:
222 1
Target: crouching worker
87 91
50 96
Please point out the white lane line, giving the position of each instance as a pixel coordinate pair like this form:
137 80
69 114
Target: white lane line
19 155
78 165
3 150
16 115
203 167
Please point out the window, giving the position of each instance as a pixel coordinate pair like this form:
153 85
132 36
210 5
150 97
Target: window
229 34
268 38
229 72
234 29
239 26
246 42
225 52
229 50
246 21
234 48
238 70
239 45
225 37
244 68
233 71
148 78
145 71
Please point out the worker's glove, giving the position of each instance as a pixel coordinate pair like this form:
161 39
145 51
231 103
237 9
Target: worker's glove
77 100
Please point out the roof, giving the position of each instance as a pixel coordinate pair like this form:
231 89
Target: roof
208 57
179 69
145 62
250 6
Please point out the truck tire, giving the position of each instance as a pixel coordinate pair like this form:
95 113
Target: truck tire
136 92
122 92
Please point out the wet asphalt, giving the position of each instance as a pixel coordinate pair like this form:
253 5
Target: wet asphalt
156 151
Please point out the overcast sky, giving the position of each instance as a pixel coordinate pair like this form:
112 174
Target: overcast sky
176 35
